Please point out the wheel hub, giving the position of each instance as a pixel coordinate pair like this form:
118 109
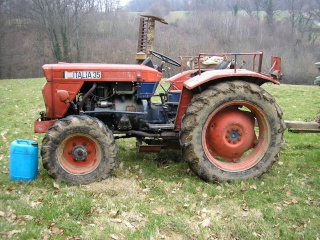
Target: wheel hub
79 153
230 134
233 135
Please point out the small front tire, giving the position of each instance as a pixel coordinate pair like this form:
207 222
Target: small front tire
79 150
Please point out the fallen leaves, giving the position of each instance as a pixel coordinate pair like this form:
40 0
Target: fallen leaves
3 135
160 235
293 201
35 203
131 221
113 213
13 232
253 187
10 216
245 207
206 222
116 220
114 237
145 190
56 186
128 224
27 217
54 229
309 201
258 235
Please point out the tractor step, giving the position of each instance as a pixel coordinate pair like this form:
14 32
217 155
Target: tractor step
169 126
151 145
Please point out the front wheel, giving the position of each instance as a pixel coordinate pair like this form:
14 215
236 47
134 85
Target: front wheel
233 130
79 150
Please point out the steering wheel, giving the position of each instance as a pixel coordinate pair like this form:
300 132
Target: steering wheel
165 58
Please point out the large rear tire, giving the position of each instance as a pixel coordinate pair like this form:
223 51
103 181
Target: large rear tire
79 150
233 130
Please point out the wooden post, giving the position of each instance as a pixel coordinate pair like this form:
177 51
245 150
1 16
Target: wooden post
303 127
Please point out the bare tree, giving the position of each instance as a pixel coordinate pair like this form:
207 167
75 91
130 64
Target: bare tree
107 5
304 18
269 7
62 20
3 18
251 7
11 24
95 31
3 31
293 7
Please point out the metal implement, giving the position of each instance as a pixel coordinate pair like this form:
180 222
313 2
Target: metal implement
146 33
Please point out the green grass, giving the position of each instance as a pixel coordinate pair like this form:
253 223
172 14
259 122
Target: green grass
155 196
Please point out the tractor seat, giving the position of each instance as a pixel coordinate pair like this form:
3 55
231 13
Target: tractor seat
225 65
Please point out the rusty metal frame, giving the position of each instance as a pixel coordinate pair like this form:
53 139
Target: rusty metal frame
254 56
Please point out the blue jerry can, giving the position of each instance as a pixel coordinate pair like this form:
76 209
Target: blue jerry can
23 162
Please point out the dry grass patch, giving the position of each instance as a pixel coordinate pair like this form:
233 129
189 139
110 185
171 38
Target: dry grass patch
125 187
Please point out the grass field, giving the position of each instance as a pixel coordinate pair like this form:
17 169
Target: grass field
155 196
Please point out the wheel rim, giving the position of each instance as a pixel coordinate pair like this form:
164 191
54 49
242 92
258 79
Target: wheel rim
235 140
79 154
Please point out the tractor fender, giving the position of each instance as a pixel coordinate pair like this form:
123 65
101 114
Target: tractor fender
228 75
176 81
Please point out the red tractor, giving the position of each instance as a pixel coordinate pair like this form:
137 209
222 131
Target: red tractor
227 126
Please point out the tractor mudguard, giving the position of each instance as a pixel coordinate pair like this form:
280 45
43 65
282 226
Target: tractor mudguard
228 75
43 126
176 81
54 107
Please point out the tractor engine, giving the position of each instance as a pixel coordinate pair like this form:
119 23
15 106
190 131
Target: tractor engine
125 106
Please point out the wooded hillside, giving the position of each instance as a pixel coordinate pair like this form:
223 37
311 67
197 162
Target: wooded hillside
35 32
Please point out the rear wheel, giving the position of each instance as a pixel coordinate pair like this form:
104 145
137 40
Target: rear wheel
79 150
233 130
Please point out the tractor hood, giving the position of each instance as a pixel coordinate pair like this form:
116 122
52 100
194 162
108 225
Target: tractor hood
100 72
